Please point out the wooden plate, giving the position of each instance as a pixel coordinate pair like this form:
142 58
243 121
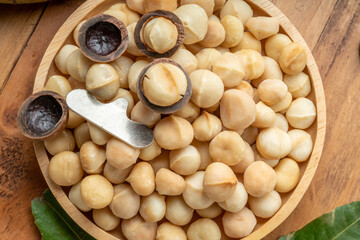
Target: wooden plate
317 130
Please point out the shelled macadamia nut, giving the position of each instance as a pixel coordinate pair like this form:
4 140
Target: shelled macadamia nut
122 93
190 111
207 88
206 58
105 219
252 62
275 44
272 71
186 59
62 57
138 229
152 5
161 161
213 108
204 228
246 161
234 31
75 198
74 120
177 211
92 158
248 42
194 48
301 113
131 16
150 152
259 179
257 157
132 47
173 133
152 207
222 50
203 148
240 224
169 183
250 134
207 5
78 65
96 191
237 8
219 4
195 21
211 212
246 87
265 206
293 59
140 113
65 168
265 116
263 27
126 203
115 175
281 122
283 105
206 126
118 14
237 109
142 179
273 143
272 91
219 182
167 231
64 141
58 84
227 147
194 194
288 173
215 35
229 68
237 200
98 136
121 155
76 32
185 161
302 145
82 134
122 66
299 84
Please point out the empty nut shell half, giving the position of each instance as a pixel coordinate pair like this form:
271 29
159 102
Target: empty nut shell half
103 38
42 115
147 18
163 109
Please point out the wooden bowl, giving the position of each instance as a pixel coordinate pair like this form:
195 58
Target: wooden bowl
317 130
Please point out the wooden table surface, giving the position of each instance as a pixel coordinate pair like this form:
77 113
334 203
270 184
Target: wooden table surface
330 27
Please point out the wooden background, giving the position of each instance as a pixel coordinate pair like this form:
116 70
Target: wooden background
330 27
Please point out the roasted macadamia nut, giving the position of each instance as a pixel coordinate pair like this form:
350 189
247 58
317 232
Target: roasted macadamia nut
121 155
273 143
152 5
281 122
265 206
78 65
272 91
194 194
82 134
96 191
150 152
287 172
190 111
74 120
142 179
219 182
299 85
126 203
186 59
301 113
227 147
283 105
207 5
240 224
65 169
62 57
115 175
64 141
272 71
161 161
246 161
131 15
275 44
229 68
164 84
169 183
195 22
173 133
237 200
118 14
132 47
203 228
257 157
185 161
122 93
248 42
206 126
98 136
169 231
152 207
237 110
203 148
177 211
234 31
265 116
263 27
206 58
105 219
259 179
250 134
252 62
58 84
215 35
293 59
138 229
140 113
160 34
207 88
302 145
122 66
211 212
92 158
75 198
237 8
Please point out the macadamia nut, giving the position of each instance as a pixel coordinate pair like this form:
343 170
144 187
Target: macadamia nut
283 105
140 113
265 116
98 136
250 134
121 155
206 58
167 231
122 66
186 59
169 183
263 27
122 93
275 44
248 42
240 224
259 179
272 91
132 47
237 8
185 161
215 35
190 111
229 68
252 62
272 71
118 14
257 157
142 179
207 5
293 59
302 145
78 65
75 198
211 212
105 219
273 143
301 113
82 134
194 194
58 84
237 200
138 229
131 16
177 211
234 31
299 84
206 126
64 141
115 175
126 203
287 172
203 148
281 122
150 152
161 161
152 207
265 206
62 57
246 161
92 158
204 228
96 191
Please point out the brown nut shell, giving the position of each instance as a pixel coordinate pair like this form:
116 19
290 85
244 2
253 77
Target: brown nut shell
103 50
148 17
42 115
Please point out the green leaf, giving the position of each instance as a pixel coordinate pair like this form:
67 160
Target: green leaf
53 222
342 223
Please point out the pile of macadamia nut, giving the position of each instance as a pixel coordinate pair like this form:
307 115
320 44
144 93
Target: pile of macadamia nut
228 154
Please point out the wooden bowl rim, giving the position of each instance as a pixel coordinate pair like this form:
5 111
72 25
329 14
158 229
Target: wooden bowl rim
267 7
